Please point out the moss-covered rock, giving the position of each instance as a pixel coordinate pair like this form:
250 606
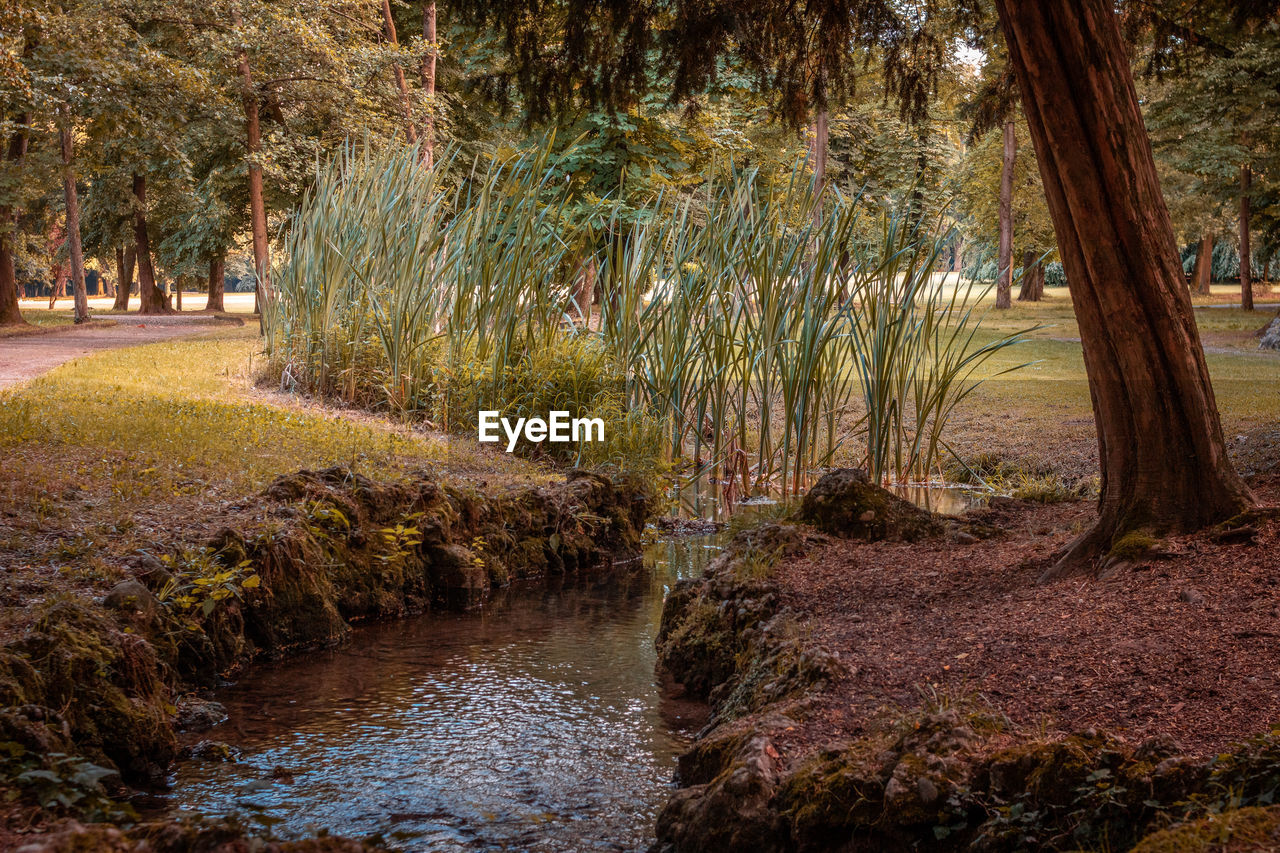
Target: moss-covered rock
846 503
731 811
1236 831
108 685
724 639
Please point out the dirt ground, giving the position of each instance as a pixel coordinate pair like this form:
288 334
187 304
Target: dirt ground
26 356
1184 643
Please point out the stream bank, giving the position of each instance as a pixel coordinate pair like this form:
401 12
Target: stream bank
794 632
110 681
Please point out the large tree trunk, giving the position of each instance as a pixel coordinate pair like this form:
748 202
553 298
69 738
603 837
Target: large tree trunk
1203 272
150 299
125 258
1004 259
10 315
1163 458
406 103
217 268
429 81
257 204
74 247
1246 259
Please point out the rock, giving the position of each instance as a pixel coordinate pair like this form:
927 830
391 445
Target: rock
732 812
927 790
963 538
1253 828
212 750
131 597
462 579
1271 337
1157 748
198 715
846 503
151 572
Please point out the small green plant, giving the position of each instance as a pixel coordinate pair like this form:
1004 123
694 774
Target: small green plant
324 518
59 781
401 539
200 582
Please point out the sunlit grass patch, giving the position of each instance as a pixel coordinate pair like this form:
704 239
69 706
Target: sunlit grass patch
186 408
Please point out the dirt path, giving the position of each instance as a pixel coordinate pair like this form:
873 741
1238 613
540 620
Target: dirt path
24 357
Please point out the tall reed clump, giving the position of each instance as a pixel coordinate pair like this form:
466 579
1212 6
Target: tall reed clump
746 334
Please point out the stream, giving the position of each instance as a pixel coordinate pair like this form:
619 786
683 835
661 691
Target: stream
534 723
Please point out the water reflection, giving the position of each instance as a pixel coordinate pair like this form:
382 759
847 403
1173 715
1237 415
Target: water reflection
532 725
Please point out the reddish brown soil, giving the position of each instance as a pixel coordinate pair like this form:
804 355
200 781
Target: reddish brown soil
1185 645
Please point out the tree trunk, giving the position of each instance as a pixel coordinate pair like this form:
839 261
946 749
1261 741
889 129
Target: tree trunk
150 299
177 290
584 287
1246 259
406 103
257 204
74 247
1004 260
10 315
57 282
1032 288
1163 458
217 268
125 258
1203 272
818 151
957 254
429 81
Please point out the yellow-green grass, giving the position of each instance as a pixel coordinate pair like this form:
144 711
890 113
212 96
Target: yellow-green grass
189 408
39 321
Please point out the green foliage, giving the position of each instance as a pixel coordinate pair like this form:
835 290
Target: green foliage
200 581
56 781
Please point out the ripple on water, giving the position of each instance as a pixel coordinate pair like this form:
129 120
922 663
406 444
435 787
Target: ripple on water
535 725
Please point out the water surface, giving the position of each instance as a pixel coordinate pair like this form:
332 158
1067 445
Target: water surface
533 724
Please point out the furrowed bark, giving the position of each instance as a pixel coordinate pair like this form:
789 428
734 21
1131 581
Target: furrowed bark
1203 272
1004 258
125 259
257 203
1161 449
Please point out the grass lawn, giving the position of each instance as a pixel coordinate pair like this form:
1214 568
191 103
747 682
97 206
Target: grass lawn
1041 415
